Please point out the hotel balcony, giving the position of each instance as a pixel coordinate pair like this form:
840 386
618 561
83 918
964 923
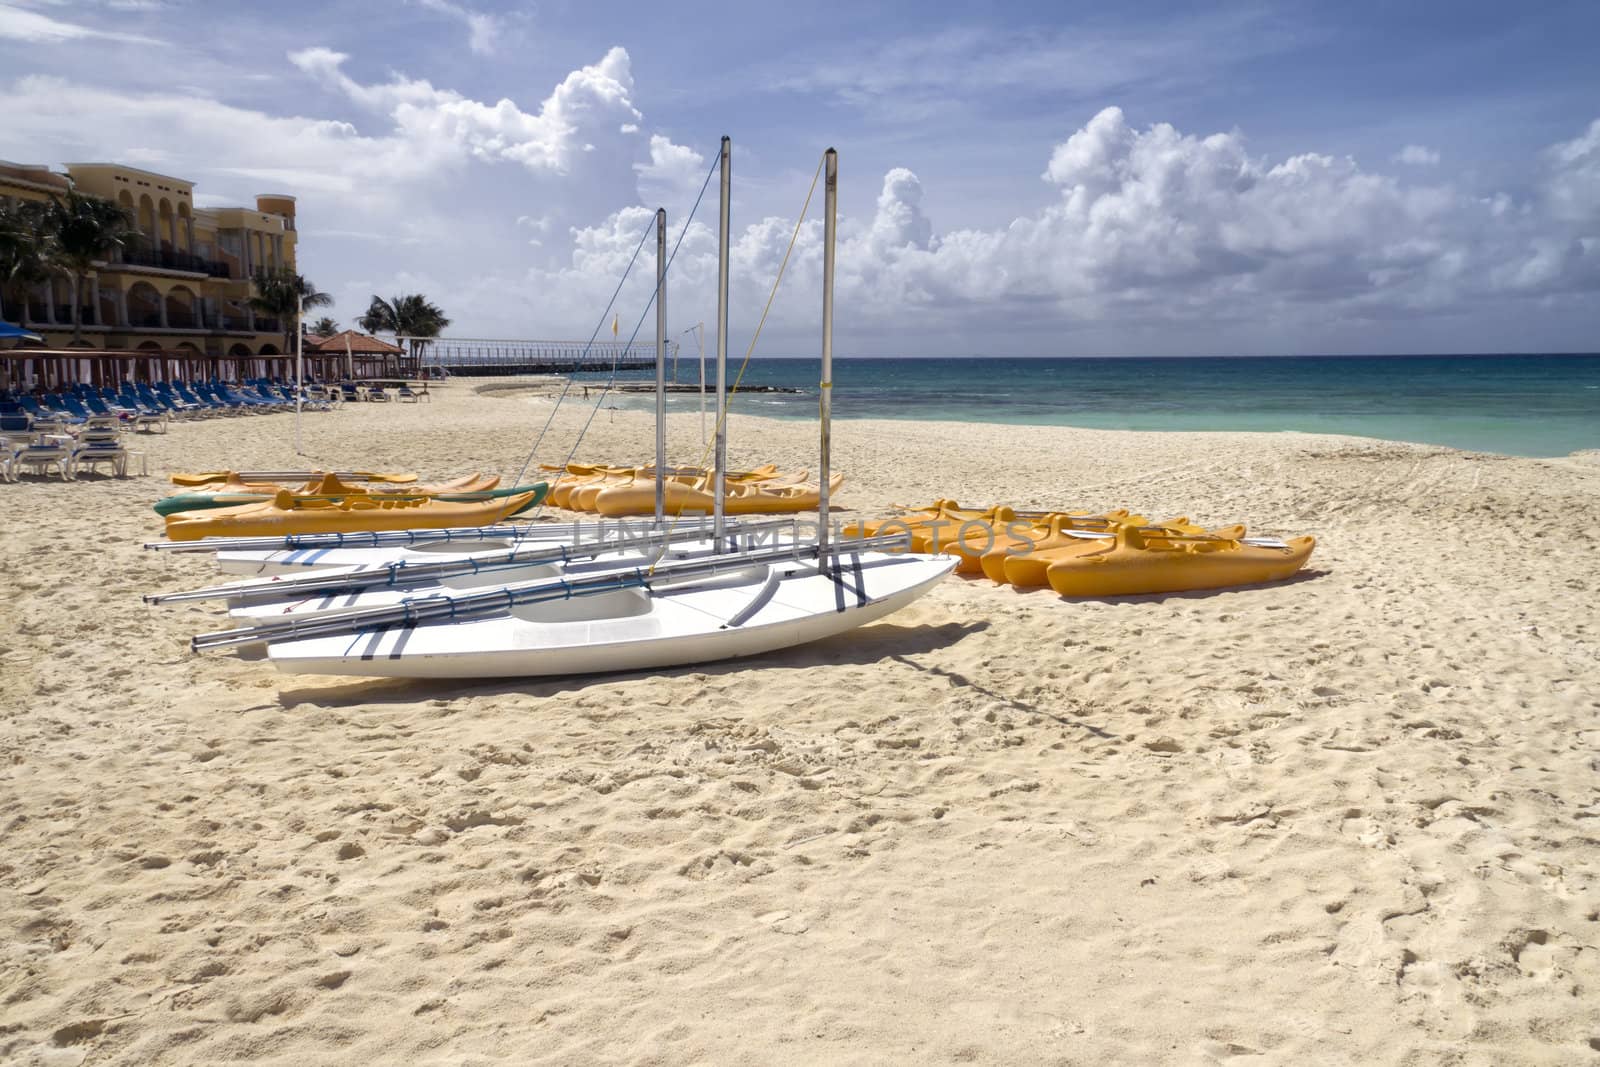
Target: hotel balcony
166 259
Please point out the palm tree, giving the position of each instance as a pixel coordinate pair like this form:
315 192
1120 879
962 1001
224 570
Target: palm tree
27 253
282 293
86 229
412 317
325 327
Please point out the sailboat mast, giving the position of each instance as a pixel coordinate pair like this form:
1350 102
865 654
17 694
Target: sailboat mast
830 219
299 369
720 461
661 366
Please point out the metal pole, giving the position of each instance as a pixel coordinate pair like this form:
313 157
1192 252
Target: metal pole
830 220
700 339
661 366
299 369
718 519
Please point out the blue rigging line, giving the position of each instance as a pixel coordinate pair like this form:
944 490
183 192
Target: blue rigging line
616 359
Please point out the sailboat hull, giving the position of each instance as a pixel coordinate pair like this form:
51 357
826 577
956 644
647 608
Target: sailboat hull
307 560
743 613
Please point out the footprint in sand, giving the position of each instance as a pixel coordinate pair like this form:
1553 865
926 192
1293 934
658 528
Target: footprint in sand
784 922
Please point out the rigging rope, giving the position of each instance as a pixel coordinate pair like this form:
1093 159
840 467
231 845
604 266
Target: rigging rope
616 360
727 403
534 451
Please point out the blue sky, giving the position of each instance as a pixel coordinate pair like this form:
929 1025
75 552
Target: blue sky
1042 179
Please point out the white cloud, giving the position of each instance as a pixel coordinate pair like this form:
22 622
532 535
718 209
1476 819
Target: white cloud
673 172
79 120
539 225
145 157
899 222
1149 226
1572 177
1416 155
482 30
587 100
35 28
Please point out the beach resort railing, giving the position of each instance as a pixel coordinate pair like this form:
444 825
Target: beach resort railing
491 358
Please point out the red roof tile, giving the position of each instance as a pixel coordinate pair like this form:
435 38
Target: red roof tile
359 343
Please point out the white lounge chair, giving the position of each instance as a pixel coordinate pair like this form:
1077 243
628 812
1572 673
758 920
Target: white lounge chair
44 453
100 446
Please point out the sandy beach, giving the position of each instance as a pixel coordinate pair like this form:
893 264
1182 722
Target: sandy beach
1348 819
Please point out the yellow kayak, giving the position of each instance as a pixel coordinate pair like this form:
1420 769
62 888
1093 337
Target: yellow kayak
931 527
974 543
284 514
333 485
1028 570
580 491
567 486
1136 561
684 493
574 476
203 478
699 498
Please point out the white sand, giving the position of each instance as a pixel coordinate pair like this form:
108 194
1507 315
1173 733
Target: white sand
1351 819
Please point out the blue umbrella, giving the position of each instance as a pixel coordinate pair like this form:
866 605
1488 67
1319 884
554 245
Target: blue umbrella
9 332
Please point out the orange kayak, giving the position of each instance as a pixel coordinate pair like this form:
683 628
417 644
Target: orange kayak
1136 562
748 493
283 515
976 542
198 480
933 527
1026 570
577 488
333 485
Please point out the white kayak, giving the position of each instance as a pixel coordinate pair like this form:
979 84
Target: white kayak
741 611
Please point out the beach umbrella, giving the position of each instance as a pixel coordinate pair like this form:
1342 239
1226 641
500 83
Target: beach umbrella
9 332
10 337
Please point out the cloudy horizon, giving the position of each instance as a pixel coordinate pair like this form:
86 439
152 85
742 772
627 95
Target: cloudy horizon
1260 182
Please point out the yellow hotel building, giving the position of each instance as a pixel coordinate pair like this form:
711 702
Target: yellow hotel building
185 286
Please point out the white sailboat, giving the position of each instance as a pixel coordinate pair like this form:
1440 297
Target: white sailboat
692 601
753 607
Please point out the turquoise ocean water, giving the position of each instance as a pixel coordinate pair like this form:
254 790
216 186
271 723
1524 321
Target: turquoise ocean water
1516 405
